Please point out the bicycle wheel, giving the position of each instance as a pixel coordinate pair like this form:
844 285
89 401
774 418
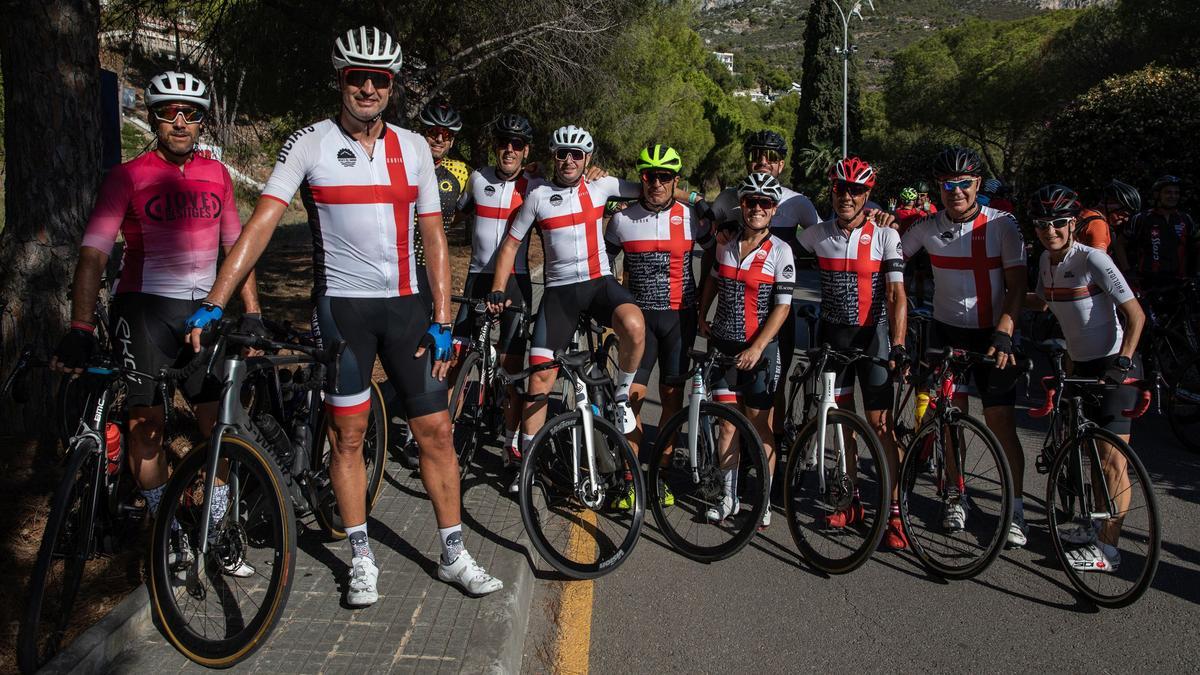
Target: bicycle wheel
817 489
611 348
1171 353
928 487
1101 475
576 526
213 617
1183 406
466 411
374 455
695 488
62 556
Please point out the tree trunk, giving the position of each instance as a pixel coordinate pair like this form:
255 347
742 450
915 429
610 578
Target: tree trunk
50 55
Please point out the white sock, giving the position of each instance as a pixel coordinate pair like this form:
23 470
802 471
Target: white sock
526 441
729 479
452 542
624 380
360 546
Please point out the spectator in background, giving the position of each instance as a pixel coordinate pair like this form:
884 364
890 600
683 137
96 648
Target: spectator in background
923 201
1118 202
908 212
1162 244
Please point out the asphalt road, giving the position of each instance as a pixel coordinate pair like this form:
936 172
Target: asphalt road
765 610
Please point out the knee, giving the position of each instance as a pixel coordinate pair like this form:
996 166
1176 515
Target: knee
146 433
541 382
433 435
633 327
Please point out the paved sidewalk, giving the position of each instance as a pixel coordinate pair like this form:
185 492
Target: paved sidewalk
419 624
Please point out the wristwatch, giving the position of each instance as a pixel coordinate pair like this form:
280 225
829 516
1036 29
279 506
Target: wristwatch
1123 362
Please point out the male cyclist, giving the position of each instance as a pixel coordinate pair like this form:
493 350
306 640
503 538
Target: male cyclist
908 213
657 235
978 261
863 306
1094 227
1162 245
494 194
441 123
176 211
369 186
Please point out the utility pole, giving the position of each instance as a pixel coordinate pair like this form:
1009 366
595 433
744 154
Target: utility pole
845 51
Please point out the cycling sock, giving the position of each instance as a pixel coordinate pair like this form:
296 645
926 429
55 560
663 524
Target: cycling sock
526 441
360 546
729 478
896 510
452 543
624 380
153 496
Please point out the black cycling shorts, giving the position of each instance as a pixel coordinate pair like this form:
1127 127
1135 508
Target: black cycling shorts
148 332
874 341
1106 410
391 328
973 340
752 388
560 310
519 290
670 334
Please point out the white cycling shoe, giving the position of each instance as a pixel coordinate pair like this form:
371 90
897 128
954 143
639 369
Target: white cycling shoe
624 414
362 590
468 574
1095 557
728 506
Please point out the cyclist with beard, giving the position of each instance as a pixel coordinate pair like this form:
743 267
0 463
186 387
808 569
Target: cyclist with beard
1162 245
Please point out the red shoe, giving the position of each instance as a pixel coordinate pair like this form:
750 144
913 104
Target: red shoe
893 538
845 517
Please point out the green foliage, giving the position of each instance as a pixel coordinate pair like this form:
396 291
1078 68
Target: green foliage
819 120
1128 127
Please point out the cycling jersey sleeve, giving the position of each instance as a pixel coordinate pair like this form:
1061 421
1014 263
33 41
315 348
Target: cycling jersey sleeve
1012 244
524 217
231 222
1105 274
112 203
892 255
725 208
466 200
612 234
914 239
806 213
291 166
807 239
429 199
785 276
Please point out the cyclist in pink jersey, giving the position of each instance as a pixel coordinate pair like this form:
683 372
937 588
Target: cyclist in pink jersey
368 186
175 211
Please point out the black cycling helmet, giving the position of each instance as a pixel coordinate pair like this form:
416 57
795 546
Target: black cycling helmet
765 140
1164 181
1054 201
514 126
440 114
1124 194
922 188
957 161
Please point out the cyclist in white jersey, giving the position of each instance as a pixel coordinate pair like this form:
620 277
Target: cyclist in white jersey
1087 294
368 186
978 260
494 194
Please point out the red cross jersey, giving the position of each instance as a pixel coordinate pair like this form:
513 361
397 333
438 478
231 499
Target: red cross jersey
968 262
362 209
571 220
748 288
854 267
174 222
495 203
658 253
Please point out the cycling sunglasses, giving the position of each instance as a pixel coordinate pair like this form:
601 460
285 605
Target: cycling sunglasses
764 203
952 185
1056 223
651 177
439 134
574 153
842 187
168 113
357 77
757 154
517 144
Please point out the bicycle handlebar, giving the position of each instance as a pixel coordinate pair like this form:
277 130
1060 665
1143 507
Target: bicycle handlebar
1052 383
480 305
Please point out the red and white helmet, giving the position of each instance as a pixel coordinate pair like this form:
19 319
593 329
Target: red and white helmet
367 47
853 170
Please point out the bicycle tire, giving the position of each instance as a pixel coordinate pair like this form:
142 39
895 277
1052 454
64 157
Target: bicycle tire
262 495
1171 352
375 445
692 500
1183 406
466 407
542 478
73 502
611 348
805 525
912 470
1057 491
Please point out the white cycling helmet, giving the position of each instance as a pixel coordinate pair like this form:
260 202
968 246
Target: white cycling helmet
762 184
572 137
367 47
176 86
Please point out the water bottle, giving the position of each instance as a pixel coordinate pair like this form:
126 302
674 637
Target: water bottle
920 407
112 447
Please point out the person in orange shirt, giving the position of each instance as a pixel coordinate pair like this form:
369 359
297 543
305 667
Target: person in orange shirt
1118 201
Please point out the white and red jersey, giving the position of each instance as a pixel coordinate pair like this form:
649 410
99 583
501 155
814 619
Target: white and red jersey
174 220
362 208
658 253
854 267
571 220
1083 292
969 260
747 288
794 210
495 202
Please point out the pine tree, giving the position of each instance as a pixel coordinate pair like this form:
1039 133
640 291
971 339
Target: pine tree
819 120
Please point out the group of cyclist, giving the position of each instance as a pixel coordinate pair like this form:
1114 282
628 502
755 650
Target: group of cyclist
380 197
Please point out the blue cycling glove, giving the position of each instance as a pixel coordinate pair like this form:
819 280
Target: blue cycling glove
438 339
208 313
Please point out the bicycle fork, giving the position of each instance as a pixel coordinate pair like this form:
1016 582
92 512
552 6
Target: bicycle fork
826 402
697 395
589 492
231 414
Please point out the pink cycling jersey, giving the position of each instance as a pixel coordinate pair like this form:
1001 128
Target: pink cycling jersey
174 222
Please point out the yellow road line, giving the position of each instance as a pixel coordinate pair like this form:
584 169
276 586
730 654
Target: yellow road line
575 609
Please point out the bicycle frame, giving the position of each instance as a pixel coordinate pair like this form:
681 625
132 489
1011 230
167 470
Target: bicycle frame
591 494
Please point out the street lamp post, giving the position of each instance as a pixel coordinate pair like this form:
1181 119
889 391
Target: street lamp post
845 51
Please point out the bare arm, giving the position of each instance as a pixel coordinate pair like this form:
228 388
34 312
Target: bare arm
706 300
249 290
1035 302
85 287
437 264
897 309
505 258
1014 297
1135 320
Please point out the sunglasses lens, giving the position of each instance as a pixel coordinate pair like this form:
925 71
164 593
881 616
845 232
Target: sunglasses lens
378 79
663 177
517 144
573 153
763 155
168 113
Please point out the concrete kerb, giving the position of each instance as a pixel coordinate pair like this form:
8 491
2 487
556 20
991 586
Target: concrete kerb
498 636
98 646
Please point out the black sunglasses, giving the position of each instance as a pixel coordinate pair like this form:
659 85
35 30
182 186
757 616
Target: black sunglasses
357 77
855 189
517 144
663 177
764 203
